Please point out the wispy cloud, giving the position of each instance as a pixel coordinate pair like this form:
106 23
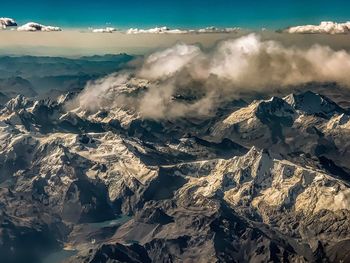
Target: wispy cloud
214 77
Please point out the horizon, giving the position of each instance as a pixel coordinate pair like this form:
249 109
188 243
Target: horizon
75 44
194 14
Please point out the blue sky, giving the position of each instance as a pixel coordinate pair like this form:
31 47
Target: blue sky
181 13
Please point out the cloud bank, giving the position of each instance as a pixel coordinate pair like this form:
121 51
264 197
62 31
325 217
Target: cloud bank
166 30
187 81
213 29
33 27
156 30
322 28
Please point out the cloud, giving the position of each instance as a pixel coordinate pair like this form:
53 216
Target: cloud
156 30
185 80
166 30
100 93
212 29
6 22
322 28
157 66
104 30
33 27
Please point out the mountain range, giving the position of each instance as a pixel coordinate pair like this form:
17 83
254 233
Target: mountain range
261 180
53 76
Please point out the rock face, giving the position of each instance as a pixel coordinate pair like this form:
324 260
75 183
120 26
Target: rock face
266 181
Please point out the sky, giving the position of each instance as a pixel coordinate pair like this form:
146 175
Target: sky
253 14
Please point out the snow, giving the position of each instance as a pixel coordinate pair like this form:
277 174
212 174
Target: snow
261 180
256 178
320 197
341 121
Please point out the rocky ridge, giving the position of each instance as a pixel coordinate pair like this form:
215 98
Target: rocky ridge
267 182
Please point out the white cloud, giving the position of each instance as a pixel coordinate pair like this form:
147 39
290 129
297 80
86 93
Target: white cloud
212 29
166 30
104 30
166 63
156 30
322 28
6 22
235 66
32 27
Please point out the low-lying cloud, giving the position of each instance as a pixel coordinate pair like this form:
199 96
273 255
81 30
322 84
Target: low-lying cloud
7 22
166 30
325 27
104 30
185 80
33 27
156 30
